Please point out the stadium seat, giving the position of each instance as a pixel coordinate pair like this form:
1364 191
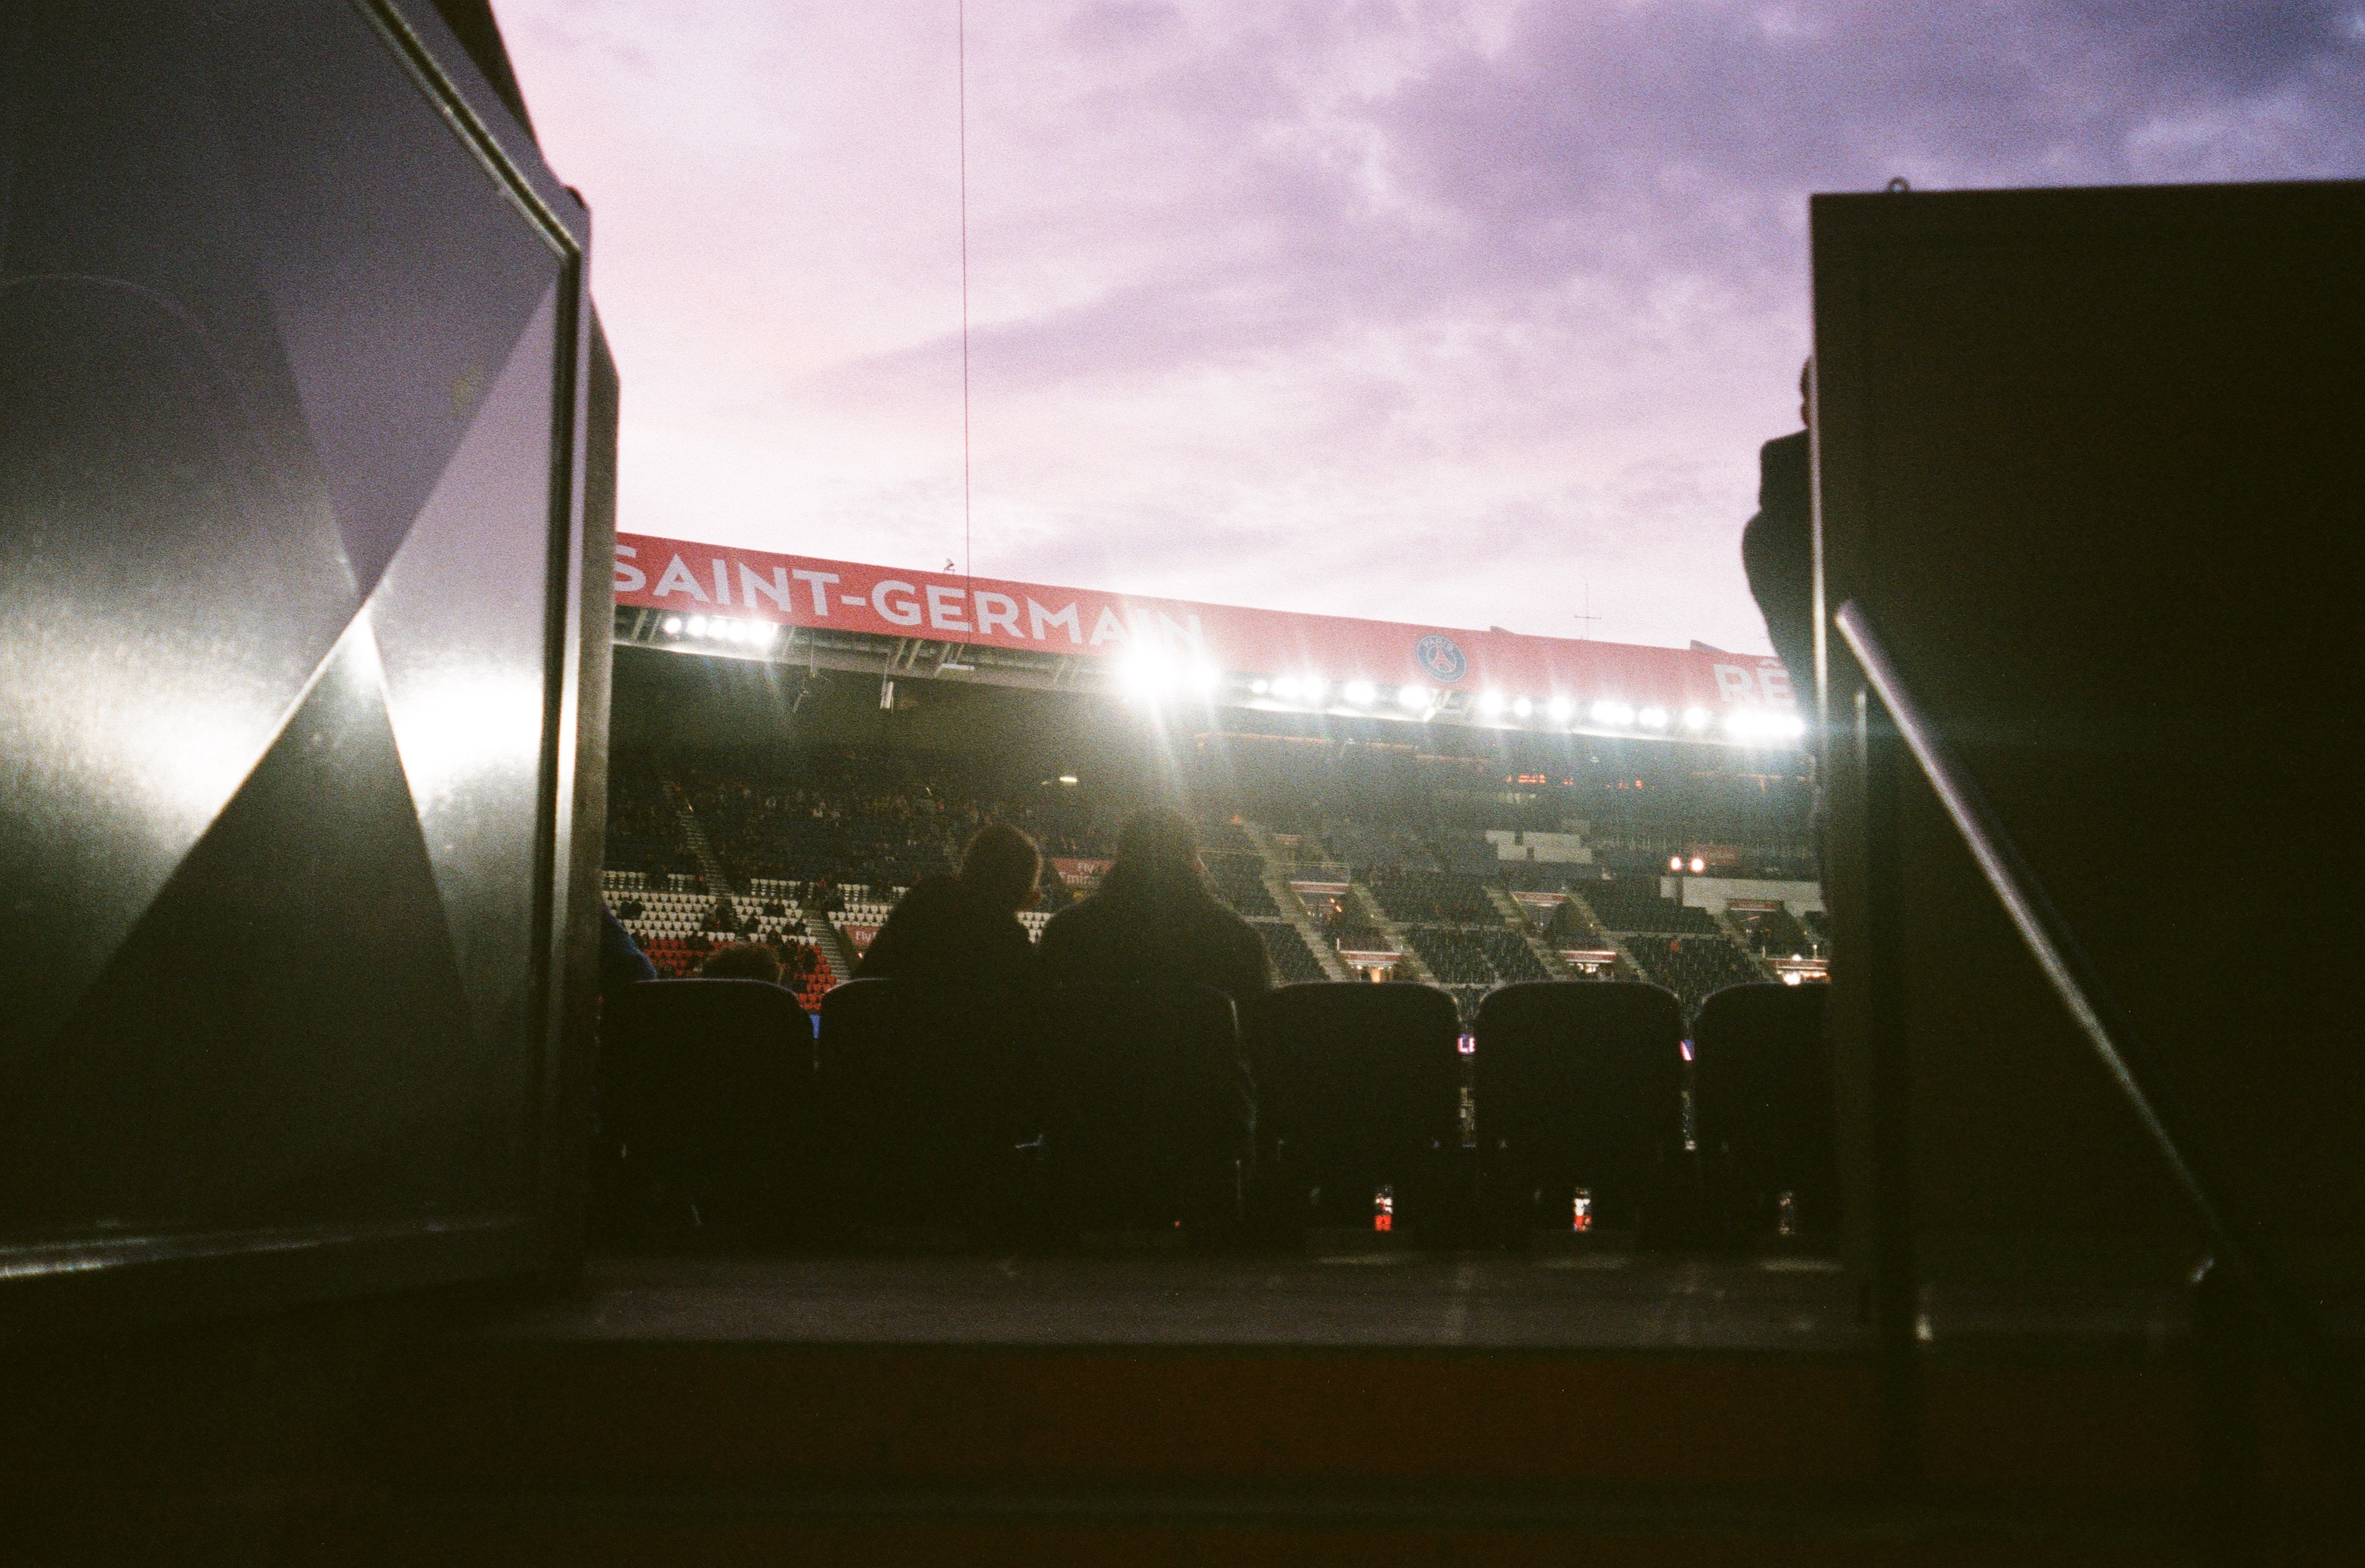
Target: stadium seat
1149 1109
1358 1087
1763 1095
1580 1086
926 1096
707 1098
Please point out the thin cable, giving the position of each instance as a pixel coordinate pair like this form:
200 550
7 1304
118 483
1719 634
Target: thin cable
960 11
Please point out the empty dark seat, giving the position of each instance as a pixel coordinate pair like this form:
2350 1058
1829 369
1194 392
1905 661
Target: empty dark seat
927 1106
1580 1085
1149 1109
1358 1086
1763 1095
707 1090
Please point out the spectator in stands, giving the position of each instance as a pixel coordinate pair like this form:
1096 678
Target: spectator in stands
963 929
740 960
1156 917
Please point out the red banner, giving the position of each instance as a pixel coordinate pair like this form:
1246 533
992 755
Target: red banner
1080 871
1655 684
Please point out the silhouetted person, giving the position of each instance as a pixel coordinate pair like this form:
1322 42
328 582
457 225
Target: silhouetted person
742 960
963 929
1157 918
622 962
1778 548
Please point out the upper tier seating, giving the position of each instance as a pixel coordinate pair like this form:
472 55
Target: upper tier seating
1761 1090
1634 903
1240 878
1476 955
1694 968
1580 1085
1370 847
706 1093
1292 959
1775 933
1358 1087
1433 897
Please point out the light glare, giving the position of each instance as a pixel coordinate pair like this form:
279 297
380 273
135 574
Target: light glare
1360 693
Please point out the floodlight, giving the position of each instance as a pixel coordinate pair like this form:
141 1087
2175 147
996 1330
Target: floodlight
1285 688
1362 693
1412 697
1316 689
1146 674
1794 726
698 625
1652 718
672 626
1695 718
1490 703
1521 708
1559 710
1612 714
1674 862
1698 865
1067 778
1205 679
1259 686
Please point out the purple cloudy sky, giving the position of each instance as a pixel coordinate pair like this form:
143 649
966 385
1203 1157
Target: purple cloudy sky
1417 310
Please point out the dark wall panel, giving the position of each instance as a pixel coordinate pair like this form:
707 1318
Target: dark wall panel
2091 459
290 555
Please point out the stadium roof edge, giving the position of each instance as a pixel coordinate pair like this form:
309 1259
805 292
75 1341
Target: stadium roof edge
728 600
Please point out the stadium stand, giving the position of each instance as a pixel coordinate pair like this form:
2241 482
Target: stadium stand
1635 903
1368 848
1775 933
1291 961
1433 897
1474 955
1694 968
1240 878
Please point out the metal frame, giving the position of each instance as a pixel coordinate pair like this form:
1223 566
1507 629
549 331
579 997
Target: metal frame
2232 1231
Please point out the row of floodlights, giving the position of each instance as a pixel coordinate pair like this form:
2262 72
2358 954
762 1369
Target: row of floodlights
723 628
1745 724
1150 677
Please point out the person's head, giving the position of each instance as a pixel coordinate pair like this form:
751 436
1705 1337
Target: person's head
740 960
1158 859
1000 867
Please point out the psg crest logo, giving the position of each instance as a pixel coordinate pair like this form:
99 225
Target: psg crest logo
1441 657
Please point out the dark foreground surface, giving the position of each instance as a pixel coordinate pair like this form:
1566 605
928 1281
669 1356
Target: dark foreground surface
1606 1302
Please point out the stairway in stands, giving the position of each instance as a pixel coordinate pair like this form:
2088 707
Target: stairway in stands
710 864
1517 918
834 951
1410 964
1616 945
1732 932
1285 899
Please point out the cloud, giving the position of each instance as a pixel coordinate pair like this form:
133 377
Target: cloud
1399 309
